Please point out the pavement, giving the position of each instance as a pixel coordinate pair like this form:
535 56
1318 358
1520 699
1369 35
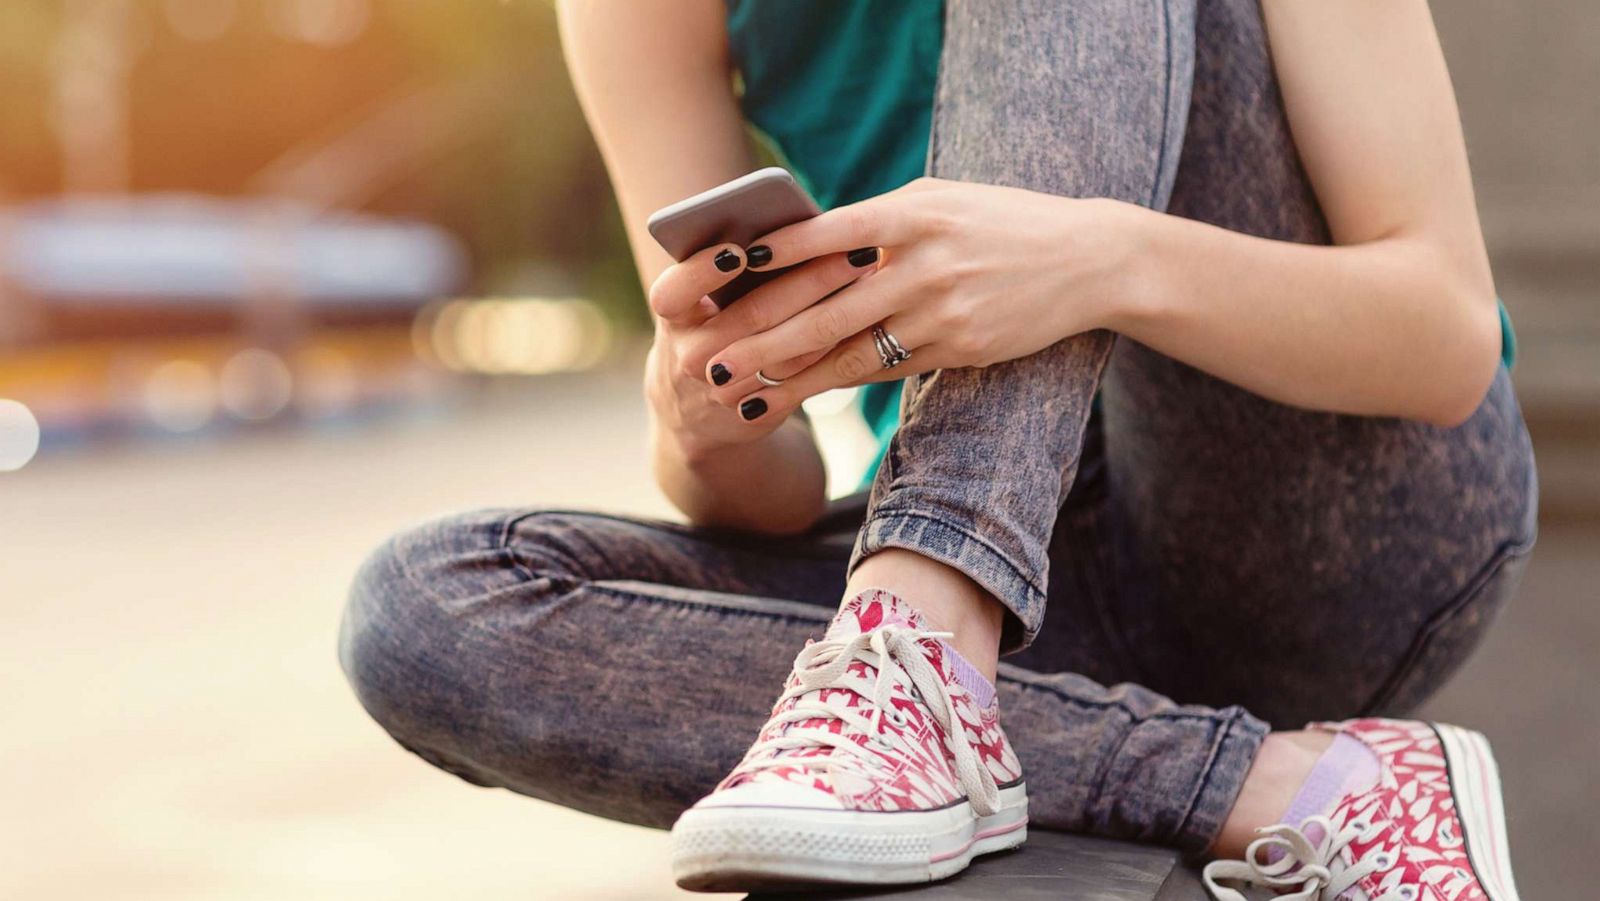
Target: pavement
176 726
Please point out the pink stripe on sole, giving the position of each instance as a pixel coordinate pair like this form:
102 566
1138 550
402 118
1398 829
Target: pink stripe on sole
1489 796
980 836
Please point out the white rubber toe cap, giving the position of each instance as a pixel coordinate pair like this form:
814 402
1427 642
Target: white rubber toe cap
772 793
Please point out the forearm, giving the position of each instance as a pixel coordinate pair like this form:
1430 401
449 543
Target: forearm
1391 327
668 125
775 485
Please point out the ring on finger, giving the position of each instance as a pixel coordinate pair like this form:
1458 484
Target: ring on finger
890 351
768 380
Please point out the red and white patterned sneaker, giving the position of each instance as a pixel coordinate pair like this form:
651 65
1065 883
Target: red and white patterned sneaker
1431 829
877 766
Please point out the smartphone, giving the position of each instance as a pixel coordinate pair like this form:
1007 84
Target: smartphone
737 212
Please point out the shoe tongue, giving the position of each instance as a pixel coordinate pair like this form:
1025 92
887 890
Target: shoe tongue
870 610
873 609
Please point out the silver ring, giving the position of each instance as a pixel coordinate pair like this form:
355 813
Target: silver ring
768 380
890 351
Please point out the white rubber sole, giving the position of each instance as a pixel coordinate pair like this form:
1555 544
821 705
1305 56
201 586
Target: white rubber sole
1475 784
724 849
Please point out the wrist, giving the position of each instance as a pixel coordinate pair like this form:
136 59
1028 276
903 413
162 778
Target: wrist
1135 292
690 451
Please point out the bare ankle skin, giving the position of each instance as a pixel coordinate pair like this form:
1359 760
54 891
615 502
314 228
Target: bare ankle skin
1280 768
951 601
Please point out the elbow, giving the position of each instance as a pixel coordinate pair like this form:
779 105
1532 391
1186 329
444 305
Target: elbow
791 523
786 522
1449 413
1474 356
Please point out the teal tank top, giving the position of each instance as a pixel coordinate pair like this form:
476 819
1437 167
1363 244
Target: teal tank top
842 91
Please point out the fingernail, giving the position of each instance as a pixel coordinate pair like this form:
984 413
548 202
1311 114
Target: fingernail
752 408
759 255
727 261
720 374
866 256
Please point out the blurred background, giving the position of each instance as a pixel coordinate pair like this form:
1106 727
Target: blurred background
280 276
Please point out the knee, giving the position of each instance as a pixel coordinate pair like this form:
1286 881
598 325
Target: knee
384 635
409 607
437 611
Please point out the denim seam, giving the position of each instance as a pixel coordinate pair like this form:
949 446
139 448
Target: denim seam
513 521
1204 782
529 575
705 608
1030 581
1166 105
798 548
1484 577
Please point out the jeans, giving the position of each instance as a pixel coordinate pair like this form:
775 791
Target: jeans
1220 561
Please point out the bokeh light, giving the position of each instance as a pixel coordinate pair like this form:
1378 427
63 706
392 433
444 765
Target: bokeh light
19 435
256 384
329 23
180 396
513 336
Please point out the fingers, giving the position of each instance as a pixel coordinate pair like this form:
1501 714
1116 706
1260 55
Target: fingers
882 221
816 328
729 394
768 306
678 294
854 362
788 368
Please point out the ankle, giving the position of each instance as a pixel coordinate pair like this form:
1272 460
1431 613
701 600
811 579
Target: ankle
946 598
1280 768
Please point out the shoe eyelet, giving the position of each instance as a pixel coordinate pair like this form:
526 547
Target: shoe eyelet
899 718
1408 892
1383 861
1359 824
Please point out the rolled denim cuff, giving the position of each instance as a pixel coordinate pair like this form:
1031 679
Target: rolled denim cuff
1016 587
1238 739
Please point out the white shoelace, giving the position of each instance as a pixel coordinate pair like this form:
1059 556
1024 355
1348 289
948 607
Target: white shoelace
895 653
1313 867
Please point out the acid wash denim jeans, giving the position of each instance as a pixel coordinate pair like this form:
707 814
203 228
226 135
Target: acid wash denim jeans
1222 561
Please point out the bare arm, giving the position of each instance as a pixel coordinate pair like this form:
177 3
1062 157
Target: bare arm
1399 318
655 82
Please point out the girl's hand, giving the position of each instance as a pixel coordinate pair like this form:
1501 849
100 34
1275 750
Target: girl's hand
969 275
680 384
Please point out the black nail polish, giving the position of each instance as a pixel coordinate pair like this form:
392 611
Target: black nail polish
759 255
752 408
720 374
866 256
727 261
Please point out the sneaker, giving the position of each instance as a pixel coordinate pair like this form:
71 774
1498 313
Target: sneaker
878 766
1431 829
